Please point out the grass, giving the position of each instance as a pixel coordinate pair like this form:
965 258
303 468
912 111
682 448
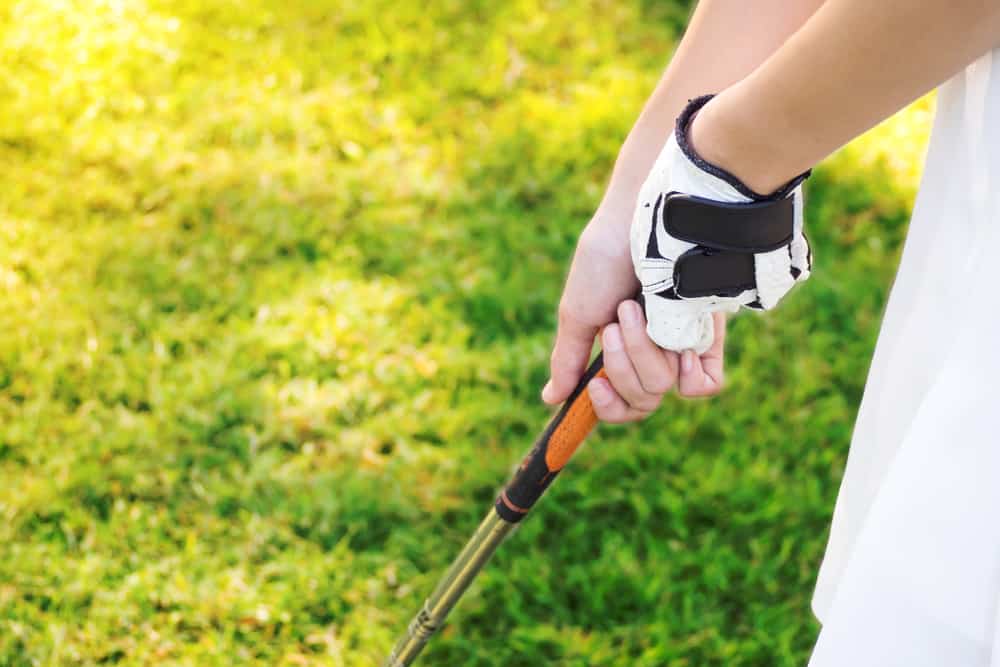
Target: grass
277 285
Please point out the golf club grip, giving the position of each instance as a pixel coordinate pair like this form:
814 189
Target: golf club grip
552 451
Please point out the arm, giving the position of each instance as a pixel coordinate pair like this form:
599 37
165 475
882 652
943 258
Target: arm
725 41
852 65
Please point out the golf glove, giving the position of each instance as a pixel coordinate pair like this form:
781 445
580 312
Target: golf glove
702 242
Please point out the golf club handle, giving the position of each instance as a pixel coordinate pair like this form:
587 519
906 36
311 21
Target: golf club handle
552 451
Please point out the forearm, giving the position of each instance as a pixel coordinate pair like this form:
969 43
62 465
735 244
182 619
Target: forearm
854 63
725 41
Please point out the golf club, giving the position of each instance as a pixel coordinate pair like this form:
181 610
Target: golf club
551 452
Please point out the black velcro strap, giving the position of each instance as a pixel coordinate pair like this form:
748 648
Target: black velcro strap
705 271
752 227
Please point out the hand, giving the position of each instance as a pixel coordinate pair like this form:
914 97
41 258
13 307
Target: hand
598 290
640 372
703 242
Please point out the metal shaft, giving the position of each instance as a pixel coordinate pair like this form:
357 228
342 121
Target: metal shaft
463 570
551 452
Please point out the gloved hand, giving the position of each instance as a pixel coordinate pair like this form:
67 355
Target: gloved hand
703 242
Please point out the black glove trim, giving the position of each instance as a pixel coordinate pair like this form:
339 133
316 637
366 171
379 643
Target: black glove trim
681 135
752 227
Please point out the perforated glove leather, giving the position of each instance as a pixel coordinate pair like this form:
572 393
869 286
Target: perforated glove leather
702 241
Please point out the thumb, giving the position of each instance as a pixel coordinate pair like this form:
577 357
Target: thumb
570 354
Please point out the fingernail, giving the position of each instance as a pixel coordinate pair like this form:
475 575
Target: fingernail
629 314
599 394
612 339
687 361
547 391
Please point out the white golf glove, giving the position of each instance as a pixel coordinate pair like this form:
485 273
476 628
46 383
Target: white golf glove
703 242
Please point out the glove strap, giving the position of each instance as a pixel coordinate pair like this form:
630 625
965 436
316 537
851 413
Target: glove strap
737 246
702 271
752 227
727 237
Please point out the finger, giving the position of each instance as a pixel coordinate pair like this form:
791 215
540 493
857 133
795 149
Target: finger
704 375
713 361
622 373
693 381
656 367
609 406
570 355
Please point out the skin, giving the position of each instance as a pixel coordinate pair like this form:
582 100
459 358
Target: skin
601 278
875 57
848 65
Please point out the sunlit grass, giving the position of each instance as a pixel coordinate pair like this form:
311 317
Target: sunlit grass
276 291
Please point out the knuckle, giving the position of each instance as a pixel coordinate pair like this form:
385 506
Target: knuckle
642 401
658 385
647 405
636 414
691 392
701 392
634 399
633 396
609 414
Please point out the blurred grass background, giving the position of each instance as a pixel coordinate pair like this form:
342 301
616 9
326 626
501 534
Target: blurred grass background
277 286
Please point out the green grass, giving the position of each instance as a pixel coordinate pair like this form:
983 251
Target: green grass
277 285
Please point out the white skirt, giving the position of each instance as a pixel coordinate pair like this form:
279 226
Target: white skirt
911 574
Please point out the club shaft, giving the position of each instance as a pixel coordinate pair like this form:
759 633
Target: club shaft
463 570
553 449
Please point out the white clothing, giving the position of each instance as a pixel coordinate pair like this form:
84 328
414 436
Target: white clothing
911 575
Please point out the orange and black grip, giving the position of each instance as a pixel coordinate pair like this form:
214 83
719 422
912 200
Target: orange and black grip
552 451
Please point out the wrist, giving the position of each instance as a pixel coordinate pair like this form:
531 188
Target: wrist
723 135
613 215
607 237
